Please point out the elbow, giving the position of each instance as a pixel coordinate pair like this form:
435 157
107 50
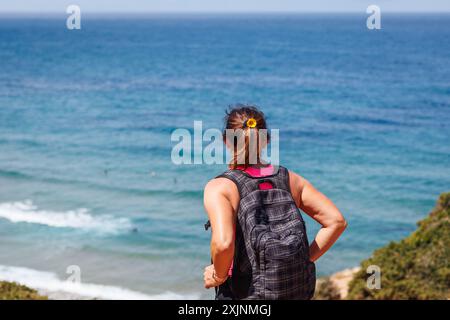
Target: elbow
343 224
223 246
340 224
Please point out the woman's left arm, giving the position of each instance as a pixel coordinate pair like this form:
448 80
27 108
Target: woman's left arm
222 218
321 209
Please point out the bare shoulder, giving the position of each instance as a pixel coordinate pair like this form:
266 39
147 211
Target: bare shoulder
222 186
218 189
295 179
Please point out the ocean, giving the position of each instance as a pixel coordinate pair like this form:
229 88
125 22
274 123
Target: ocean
86 177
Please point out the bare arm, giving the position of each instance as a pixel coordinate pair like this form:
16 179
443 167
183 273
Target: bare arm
320 208
221 214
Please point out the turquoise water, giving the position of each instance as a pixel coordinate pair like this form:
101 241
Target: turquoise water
86 176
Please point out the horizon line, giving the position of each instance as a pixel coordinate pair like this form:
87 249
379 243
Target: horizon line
221 12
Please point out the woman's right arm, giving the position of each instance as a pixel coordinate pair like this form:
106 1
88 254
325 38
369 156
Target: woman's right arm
222 218
320 208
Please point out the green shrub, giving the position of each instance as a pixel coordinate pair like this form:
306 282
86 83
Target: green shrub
326 290
14 291
417 267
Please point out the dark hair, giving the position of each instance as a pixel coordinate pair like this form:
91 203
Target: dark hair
236 119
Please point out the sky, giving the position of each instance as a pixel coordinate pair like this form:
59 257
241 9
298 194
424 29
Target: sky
148 6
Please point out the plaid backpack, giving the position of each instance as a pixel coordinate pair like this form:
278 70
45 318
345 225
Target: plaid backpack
271 258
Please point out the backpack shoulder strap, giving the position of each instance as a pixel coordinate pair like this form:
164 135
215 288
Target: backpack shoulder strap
281 180
242 182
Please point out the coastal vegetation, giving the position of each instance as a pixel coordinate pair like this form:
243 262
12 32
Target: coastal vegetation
326 289
15 291
416 267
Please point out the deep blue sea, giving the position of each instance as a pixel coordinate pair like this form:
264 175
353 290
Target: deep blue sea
86 177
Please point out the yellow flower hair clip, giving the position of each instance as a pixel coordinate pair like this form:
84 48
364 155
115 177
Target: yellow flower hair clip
251 123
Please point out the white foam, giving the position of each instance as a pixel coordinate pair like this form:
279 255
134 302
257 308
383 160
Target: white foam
48 282
79 219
